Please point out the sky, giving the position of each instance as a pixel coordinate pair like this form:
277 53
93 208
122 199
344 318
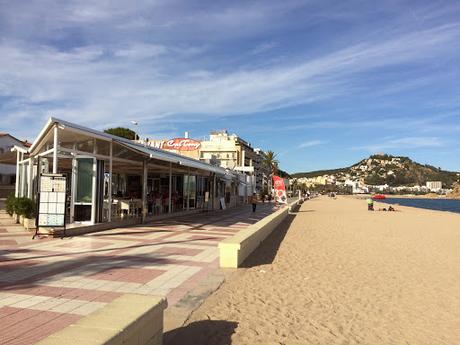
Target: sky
322 83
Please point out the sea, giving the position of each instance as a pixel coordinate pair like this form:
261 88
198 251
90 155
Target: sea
431 204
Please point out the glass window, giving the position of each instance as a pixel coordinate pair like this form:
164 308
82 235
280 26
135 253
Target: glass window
190 191
85 180
86 145
26 179
178 193
119 185
102 147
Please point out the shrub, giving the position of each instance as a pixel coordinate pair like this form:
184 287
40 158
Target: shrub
10 204
122 132
25 207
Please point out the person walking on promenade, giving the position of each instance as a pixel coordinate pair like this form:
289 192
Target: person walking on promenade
253 201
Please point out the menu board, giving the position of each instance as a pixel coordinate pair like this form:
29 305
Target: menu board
51 209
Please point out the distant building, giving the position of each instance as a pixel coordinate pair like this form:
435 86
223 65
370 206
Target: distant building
8 162
357 187
231 152
261 171
434 186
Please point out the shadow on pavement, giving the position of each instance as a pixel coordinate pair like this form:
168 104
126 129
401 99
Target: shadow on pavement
266 252
218 332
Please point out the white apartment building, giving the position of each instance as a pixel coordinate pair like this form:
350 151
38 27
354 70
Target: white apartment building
231 152
434 186
8 163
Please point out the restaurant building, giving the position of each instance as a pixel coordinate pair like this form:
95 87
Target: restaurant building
109 179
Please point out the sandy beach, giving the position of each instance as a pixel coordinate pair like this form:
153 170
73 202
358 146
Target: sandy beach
338 274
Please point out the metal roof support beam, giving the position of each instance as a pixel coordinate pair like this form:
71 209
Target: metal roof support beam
18 158
31 178
170 189
55 147
23 180
45 153
144 190
110 183
188 190
99 156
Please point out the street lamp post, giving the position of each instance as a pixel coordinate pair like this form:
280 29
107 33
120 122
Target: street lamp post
136 136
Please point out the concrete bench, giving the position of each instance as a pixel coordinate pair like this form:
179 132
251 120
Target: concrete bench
127 320
234 250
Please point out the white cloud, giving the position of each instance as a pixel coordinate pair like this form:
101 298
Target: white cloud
98 84
310 143
140 51
404 143
263 47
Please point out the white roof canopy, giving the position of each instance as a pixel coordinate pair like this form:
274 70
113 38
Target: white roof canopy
148 151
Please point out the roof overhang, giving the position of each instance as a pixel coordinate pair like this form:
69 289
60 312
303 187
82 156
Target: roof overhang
150 152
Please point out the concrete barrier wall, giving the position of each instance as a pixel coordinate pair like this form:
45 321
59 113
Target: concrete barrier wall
234 250
127 320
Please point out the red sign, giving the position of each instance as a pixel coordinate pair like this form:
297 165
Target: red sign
280 189
181 144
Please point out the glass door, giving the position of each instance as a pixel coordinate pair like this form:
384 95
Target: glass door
189 192
192 191
83 191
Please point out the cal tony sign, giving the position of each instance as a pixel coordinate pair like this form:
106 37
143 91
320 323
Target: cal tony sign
178 144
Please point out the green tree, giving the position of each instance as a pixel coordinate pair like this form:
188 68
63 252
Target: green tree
271 163
122 132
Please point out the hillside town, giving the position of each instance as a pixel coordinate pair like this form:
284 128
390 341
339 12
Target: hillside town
367 177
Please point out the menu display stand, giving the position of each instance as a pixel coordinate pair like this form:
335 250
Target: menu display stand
51 202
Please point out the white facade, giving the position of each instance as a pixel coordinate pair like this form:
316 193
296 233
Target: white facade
357 187
7 171
231 152
434 186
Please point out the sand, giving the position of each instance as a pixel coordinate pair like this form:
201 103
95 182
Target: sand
341 275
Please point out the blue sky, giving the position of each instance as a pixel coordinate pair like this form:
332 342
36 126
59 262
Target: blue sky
322 83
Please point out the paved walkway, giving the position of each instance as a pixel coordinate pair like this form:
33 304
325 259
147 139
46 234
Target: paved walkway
47 284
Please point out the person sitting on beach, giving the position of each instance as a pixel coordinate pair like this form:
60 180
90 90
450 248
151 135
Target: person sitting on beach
391 208
370 204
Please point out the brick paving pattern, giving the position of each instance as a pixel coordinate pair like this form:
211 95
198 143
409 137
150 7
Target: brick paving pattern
47 284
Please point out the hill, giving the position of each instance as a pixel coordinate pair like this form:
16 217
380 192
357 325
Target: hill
455 194
283 174
391 170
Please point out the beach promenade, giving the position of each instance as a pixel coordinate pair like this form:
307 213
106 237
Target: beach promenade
47 284
338 274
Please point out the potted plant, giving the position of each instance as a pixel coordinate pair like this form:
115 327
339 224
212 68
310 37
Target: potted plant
27 211
11 207
20 209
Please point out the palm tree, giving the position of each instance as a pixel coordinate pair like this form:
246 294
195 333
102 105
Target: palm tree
271 163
